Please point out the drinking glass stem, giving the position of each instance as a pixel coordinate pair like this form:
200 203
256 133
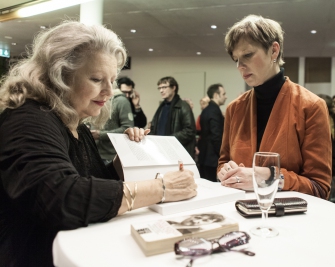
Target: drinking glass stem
190 263
264 217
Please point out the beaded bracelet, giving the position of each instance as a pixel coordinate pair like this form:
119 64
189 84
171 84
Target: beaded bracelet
161 176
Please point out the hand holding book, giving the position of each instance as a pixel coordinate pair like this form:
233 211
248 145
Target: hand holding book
179 185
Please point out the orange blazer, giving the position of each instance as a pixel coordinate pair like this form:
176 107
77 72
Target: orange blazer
297 129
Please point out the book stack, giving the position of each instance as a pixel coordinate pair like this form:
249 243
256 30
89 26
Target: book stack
159 236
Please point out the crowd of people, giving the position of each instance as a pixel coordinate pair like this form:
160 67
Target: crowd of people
57 174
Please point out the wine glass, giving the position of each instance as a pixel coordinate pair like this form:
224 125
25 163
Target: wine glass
266 174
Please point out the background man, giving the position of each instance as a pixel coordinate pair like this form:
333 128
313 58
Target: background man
127 86
174 116
211 122
121 119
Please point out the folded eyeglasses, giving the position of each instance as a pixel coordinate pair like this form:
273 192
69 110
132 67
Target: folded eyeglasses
197 247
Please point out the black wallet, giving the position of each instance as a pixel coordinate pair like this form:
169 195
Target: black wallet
280 207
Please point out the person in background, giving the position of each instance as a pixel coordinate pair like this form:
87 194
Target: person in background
203 103
174 116
330 106
121 118
52 177
127 87
276 115
211 121
190 102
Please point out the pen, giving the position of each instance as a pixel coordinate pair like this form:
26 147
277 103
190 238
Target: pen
181 165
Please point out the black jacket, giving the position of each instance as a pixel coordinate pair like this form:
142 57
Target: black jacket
211 121
140 120
182 124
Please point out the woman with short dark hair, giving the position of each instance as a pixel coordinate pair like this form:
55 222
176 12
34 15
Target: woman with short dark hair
276 115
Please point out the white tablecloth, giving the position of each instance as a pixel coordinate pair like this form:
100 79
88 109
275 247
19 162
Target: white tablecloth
303 240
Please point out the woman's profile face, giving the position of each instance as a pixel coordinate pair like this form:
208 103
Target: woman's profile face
254 63
92 84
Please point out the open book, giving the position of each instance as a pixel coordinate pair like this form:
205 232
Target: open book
159 236
154 154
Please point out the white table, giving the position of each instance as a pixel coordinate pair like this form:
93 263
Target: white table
303 240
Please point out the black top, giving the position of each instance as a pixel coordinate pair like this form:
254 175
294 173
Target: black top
49 181
266 95
211 121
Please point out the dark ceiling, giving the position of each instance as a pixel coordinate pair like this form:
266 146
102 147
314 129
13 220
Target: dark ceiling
181 28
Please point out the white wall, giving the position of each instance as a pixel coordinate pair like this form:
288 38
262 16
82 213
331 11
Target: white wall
145 72
194 75
319 88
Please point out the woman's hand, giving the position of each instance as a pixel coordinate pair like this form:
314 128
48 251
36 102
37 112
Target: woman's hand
136 134
236 176
179 185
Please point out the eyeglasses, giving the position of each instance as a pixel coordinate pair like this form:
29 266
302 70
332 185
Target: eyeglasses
162 87
198 247
128 93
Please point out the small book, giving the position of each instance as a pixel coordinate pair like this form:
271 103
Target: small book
208 194
159 236
137 161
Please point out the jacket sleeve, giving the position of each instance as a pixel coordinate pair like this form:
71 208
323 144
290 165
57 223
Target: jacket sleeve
216 130
187 125
225 149
40 179
315 175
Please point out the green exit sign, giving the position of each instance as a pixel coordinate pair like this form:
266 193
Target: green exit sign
4 53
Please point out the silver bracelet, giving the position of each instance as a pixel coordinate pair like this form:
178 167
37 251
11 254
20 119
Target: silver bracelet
161 176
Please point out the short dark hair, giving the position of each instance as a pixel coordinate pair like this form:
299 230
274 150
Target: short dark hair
125 80
258 29
214 88
170 80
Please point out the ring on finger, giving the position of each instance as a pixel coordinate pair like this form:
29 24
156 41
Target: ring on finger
237 179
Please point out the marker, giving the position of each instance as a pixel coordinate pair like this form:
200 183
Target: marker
181 165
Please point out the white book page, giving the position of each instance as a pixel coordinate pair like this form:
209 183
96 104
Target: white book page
149 172
152 150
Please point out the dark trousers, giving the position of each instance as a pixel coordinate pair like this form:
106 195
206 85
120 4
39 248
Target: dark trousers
208 173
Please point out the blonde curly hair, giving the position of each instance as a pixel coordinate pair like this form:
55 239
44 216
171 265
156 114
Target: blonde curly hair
56 54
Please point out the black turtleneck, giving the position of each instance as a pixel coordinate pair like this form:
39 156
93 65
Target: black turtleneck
266 95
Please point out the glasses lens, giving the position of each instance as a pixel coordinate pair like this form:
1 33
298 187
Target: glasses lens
234 239
194 247
127 93
162 87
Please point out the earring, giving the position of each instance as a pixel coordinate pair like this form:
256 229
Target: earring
274 61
